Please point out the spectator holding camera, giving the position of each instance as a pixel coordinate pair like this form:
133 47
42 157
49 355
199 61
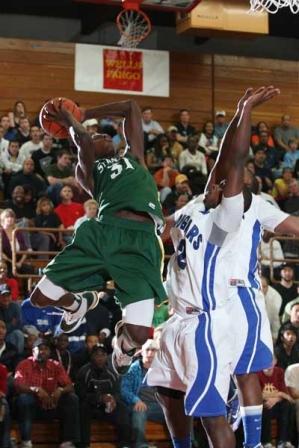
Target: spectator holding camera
98 390
45 390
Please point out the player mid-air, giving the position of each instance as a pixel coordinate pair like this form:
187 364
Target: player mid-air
121 243
192 370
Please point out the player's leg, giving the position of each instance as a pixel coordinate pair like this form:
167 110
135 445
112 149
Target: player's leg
219 432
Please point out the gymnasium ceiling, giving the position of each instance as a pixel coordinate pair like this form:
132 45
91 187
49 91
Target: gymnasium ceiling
282 24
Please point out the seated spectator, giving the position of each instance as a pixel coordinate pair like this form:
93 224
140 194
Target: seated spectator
23 130
273 155
59 174
139 397
291 378
273 303
11 159
21 208
292 154
257 139
28 177
291 205
28 148
118 139
92 126
8 223
185 129
61 353
208 141
68 211
220 124
4 410
156 154
165 177
9 281
286 288
46 320
3 142
9 355
150 127
264 173
19 111
9 132
45 391
276 405
192 157
174 146
182 186
10 314
44 156
271 251
285 132
291 313
287 349
31 336
91 208
98 390
47 218
83 356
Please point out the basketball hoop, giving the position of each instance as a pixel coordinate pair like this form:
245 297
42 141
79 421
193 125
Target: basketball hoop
272 6
133 24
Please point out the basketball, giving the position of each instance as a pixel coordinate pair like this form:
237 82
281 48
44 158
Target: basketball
51 127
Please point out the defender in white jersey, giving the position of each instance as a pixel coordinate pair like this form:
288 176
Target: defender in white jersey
192 368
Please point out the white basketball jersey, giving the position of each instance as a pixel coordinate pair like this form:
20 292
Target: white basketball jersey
197 270
260 215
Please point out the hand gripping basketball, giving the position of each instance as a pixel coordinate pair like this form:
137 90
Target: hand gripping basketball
53 116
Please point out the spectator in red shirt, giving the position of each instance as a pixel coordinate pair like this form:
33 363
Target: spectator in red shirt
68 211
276 405
4 410
45 389
10 282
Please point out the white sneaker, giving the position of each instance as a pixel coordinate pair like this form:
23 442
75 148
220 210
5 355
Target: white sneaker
71 320
121 360
67 445
26 444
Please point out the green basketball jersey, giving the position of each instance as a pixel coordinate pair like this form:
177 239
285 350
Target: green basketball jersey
124 184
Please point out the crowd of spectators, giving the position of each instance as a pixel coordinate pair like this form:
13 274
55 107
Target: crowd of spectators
45 373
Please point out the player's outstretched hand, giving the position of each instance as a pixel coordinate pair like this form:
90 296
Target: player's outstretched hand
260 96
56 112
245 97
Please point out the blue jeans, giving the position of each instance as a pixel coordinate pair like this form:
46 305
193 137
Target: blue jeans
67 411
153 413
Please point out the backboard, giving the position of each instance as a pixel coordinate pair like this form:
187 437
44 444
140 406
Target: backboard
162 5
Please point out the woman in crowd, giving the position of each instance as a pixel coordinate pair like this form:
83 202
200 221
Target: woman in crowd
156 155
261 127
19 111
208 141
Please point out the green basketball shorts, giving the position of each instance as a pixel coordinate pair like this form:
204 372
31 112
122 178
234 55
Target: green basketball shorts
123 250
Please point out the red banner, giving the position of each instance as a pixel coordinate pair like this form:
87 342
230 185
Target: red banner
123 70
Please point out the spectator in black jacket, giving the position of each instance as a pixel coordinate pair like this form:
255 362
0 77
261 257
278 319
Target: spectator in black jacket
98 390
287 350
8 352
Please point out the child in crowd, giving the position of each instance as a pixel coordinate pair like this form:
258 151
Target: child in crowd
91 208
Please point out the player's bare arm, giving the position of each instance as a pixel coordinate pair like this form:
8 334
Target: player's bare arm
84 143
130 111
290 226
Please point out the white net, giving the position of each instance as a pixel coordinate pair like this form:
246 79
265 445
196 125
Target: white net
134 26
272 6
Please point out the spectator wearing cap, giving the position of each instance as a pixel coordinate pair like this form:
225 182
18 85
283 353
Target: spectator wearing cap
261 170
291 378
165 177
4 410
182 187
150 127
273 303
98 389
10 282
139 397
8 351
286 287
185 129
92 126
174 146
291 313
11 315
192 157
287 348
220 124
45 391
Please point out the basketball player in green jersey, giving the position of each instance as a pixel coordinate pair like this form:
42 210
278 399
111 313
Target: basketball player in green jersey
121 243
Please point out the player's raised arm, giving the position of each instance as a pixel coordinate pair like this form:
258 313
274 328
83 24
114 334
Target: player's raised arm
83 141
131 113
